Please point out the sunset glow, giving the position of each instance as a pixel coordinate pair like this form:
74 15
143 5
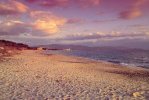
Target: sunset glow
29 21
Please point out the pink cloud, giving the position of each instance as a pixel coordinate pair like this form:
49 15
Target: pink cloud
13 27
75 21
64 3
43 24
104 21
134 11
52 3
12 7
88 3
131 14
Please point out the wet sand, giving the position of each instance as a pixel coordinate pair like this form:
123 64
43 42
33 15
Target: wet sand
32 75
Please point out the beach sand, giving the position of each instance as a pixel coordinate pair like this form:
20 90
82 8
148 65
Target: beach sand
32 75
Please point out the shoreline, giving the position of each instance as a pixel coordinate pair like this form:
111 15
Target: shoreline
34 75
135 68
108 62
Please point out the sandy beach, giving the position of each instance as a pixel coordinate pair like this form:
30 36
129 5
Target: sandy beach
32 75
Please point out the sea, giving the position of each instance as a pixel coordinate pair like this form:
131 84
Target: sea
138 58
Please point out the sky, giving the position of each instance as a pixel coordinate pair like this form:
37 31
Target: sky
80 22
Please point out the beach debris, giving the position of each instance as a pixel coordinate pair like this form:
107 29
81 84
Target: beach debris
136 94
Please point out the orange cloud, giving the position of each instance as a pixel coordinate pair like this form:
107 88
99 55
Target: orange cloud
12 7
131 14
49 26
134 10
40 27
47 22
20 6
43 24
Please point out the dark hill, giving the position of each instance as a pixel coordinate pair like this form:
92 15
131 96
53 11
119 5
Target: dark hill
8 48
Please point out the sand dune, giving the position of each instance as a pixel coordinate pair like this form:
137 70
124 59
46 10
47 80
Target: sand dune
32 75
